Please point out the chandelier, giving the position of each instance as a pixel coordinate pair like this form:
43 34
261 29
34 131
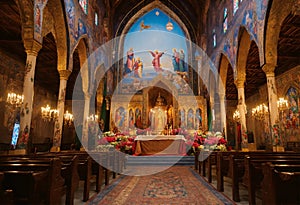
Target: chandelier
68 118
49 114
169 26
236 116
282 104
15 99
260 111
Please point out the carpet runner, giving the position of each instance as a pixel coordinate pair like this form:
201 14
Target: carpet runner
176 185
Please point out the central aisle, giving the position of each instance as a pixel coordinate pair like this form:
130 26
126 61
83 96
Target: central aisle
175 185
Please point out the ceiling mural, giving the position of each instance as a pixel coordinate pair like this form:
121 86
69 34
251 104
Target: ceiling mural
39 6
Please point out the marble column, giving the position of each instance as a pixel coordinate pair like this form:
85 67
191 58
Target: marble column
85 128
64 75
243 111
223 113
272 93
32 48
272 96
212 107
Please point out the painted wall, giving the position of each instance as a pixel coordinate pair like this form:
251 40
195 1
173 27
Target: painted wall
251 15
11 80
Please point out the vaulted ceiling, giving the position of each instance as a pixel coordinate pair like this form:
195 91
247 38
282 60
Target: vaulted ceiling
190 12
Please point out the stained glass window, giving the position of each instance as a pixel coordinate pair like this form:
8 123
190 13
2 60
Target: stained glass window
225 20
214 38
84 5
96 19
236 4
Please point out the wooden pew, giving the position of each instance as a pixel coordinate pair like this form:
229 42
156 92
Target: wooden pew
281 184
231 164
202 161
222 168
28 187
253 170
69 172
84 168
53 186
211 161
98 169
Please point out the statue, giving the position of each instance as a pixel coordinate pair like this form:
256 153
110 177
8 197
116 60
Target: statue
158 116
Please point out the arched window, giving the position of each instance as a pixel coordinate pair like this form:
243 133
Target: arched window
236 4
225 20
214 38
96 19
84 5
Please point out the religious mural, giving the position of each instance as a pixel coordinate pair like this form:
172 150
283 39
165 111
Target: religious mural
198 119
151 50
190 119
77 25
120 117
182 122
39 6
291 117
131 119
252 19
138 118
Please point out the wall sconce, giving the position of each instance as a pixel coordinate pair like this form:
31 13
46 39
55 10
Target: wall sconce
15 99
49 114
68 118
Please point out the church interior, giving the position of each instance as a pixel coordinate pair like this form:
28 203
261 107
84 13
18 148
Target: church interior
150 102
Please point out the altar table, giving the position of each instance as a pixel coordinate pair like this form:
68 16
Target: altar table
160 145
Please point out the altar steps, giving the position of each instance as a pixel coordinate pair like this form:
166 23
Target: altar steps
160 160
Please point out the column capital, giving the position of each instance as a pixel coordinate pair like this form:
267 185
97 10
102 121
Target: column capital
222 95
269 69
239 83
64 74
32 47
87 96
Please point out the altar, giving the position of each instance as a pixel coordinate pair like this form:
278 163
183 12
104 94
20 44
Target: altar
160 145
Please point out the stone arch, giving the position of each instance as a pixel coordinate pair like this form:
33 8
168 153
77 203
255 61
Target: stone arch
242 53
55 8
275 17
223 69
83 56
165 82
26 15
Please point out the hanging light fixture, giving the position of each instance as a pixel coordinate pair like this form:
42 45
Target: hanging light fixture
236 116
68 118
49 114
169 25
15 99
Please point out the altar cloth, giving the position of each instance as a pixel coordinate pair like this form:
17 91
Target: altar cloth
160 145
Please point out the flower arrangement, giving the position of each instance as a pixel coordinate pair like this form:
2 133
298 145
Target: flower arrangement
124 142
209 141
119 141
